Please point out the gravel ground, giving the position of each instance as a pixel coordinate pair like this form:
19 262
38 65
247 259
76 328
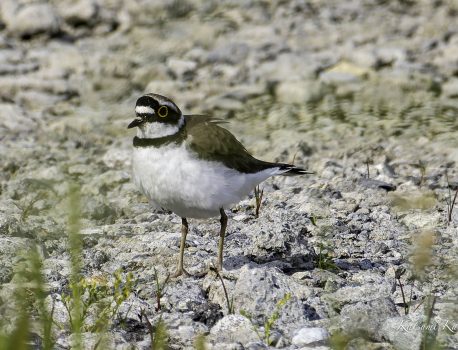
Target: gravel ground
362 93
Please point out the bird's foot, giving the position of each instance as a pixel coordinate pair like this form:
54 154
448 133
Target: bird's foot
182 271
179 272
218 267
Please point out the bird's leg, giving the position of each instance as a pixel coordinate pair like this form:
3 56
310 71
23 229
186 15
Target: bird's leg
184 231
223 221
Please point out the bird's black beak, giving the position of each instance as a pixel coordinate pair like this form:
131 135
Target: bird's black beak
136 122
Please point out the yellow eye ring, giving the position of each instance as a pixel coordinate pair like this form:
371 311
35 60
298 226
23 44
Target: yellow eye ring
163 111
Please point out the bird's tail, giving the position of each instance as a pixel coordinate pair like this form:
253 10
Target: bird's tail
291 170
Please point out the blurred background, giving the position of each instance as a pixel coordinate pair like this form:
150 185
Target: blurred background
348 89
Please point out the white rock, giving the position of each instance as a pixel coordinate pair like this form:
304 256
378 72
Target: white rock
181 68
225 346
30 19
82 11
309 336
60 313
233 329
261 304
365 58
296 91
240 217
404 332
389 55
450 88
343 73
286 66
335 77
367 317
10 246
14 119
223 103
232 53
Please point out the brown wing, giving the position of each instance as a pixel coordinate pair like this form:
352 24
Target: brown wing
214 143
193 120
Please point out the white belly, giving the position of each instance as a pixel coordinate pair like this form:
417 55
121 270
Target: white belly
172 178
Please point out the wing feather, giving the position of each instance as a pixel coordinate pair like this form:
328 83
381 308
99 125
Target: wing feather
212 142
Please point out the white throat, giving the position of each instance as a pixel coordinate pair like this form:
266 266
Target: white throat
157 129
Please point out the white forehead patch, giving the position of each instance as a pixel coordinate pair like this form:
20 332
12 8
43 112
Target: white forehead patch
144 110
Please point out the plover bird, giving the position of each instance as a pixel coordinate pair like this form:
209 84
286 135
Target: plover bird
190 165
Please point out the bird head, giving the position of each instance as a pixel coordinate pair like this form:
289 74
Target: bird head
157 116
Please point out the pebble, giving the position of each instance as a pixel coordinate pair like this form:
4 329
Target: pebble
81 12
371 183
298 92
181 69
310 336
233 328
29 19
450 88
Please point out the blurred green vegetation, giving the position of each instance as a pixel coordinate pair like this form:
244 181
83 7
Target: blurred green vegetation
29 320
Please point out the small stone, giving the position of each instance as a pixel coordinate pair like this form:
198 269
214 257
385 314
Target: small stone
60 314
450 88
293 314
348 294
389 55
290 66
367 317
226 72
421 219
240 217
297 91
343 73
223 103
365 264
256 346
231 53
233 328
364 58
310 336
11 248
81 12
13 119
404 332
371 183
196 54
181 69
227 346
30 19
245 92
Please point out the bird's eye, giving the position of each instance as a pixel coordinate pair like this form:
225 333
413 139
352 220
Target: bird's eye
163 111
